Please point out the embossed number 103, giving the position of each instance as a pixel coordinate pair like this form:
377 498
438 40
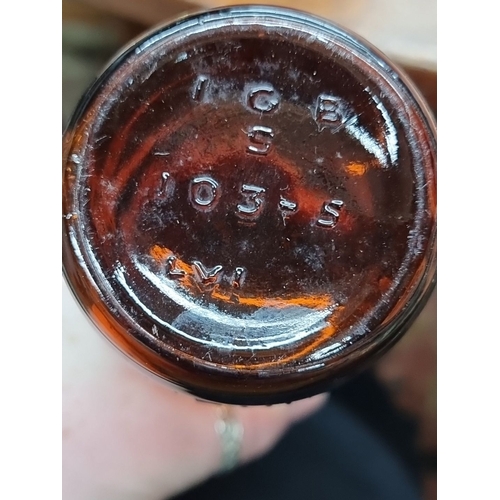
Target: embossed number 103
205 194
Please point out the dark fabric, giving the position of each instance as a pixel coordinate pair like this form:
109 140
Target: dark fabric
334 454
370 401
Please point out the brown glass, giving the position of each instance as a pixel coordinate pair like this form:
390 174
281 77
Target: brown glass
249 204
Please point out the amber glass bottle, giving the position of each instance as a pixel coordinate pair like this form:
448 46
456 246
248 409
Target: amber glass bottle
249 204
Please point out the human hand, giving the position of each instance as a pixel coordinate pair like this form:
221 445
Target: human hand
128 435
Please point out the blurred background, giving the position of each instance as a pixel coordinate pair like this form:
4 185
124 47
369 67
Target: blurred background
93 30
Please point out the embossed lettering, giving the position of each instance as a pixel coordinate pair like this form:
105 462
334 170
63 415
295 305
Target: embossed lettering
287 204
204 193
167 185
331 112
172 271
287 208
253 202
263 98
206 277
261 139
330 213
199 88
238 277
